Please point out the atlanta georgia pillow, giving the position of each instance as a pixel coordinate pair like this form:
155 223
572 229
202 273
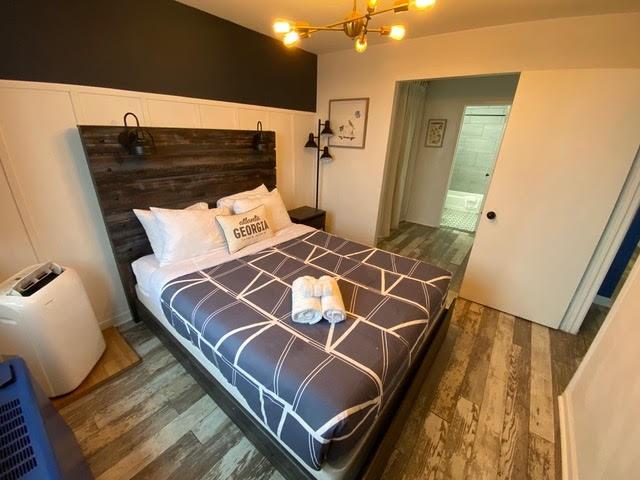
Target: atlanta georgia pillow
245 228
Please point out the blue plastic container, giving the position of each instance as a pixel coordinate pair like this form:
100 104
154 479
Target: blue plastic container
35 441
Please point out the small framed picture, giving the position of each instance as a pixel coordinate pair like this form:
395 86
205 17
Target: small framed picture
435 132
348 119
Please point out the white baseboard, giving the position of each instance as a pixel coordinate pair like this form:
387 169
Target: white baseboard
118 319
567 443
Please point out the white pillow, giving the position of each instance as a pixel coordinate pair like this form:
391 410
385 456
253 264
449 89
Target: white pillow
188 233
276 211
228 201
150 226
246 228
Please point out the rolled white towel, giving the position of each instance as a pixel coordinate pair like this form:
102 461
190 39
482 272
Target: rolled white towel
305 306
332 305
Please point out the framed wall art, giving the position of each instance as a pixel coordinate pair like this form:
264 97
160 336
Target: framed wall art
348 119
435 132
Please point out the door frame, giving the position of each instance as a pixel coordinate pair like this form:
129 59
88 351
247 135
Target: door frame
455 152
621 217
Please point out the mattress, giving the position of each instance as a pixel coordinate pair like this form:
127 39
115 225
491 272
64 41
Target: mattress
318 389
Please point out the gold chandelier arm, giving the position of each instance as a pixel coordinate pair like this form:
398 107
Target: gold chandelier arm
318 29
342 22
398 6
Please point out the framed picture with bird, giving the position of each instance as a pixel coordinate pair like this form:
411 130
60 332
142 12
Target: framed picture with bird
348 117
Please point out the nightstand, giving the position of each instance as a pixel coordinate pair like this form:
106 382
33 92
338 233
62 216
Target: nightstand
308 216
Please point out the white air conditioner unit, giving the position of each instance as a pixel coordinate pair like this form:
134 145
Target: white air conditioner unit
46 318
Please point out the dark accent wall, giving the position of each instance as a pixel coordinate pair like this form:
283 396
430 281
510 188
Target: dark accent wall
158 46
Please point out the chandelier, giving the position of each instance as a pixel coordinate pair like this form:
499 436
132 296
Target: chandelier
355 25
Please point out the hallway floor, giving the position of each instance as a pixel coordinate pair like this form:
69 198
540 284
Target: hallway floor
445 247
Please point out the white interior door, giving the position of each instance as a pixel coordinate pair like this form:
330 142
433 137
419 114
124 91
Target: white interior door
570 141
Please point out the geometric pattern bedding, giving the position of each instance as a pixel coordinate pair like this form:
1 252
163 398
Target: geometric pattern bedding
316 388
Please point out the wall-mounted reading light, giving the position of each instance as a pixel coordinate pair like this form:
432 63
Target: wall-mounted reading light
136 141
259 142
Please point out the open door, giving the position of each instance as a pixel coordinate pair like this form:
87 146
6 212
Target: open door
567 149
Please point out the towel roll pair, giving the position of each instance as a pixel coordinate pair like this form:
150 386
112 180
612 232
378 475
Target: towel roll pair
313 300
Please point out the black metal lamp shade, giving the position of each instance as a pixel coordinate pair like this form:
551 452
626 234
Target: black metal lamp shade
311 142
315 142
136 141
326 130
326 156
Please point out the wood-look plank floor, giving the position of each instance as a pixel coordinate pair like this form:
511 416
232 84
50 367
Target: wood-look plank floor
487 410
445 247
117 358
156 422
494 413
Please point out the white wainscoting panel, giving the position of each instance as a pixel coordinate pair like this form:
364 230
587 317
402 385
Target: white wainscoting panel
281 123
305 162
213 116
248 119
173 114
54 213
13 234
99 109
46 159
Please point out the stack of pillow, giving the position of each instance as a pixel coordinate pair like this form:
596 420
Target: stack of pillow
241 219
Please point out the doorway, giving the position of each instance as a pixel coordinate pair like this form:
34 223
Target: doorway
479 137
429 177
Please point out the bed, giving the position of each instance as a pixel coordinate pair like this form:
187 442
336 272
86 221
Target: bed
320 401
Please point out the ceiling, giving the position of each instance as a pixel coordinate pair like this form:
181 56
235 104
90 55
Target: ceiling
446 16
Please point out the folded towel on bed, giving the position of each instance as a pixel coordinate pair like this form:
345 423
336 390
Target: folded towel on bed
331 301
306 307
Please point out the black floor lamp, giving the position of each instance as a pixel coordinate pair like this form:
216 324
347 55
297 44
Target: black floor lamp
315 141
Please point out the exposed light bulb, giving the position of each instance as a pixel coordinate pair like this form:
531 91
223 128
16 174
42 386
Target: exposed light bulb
397 32
422 4
372 5
291 38
361 43
281 26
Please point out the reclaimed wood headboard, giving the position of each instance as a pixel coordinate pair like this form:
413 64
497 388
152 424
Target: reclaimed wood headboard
190 165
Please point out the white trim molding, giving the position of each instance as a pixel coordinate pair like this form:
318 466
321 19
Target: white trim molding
567 444
615 231
115 321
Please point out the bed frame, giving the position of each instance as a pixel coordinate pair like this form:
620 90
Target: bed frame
202 165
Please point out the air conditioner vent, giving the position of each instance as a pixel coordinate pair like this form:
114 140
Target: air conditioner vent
16 453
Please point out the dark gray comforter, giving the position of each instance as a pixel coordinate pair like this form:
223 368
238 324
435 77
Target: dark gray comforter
318 388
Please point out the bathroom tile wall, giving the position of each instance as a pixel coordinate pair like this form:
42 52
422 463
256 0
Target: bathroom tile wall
478 145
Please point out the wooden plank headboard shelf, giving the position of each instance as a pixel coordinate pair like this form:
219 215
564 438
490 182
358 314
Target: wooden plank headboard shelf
189 165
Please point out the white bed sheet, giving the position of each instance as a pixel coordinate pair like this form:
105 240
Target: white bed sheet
151 277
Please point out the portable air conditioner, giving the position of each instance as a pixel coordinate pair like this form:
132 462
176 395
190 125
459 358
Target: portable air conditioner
46 318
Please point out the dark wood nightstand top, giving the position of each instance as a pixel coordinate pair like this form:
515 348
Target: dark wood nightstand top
303 214
309 216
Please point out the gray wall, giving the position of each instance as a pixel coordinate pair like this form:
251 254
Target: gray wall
478 145
447 98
